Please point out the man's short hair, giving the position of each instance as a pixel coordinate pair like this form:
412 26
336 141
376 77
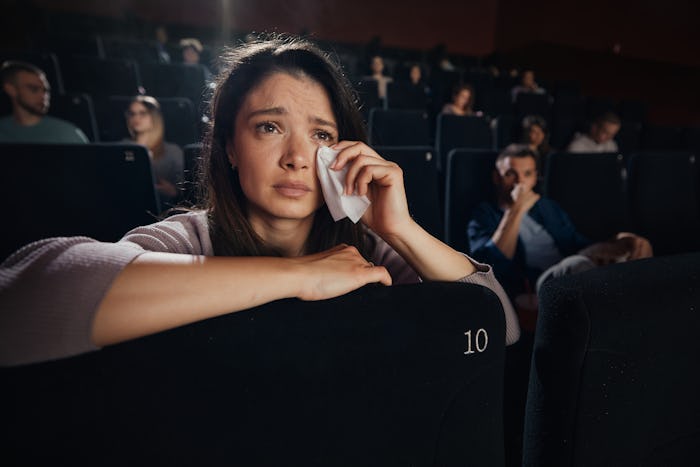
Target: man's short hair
10 68
192 43
515 151
607 117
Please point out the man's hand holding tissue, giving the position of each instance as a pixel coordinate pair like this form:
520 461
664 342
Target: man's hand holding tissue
388 216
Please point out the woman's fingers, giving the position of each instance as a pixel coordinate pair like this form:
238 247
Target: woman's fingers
362 170
338 271
350 150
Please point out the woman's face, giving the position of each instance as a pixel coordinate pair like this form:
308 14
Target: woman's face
415 74
138 118
377 65
277 132
536 135
462 98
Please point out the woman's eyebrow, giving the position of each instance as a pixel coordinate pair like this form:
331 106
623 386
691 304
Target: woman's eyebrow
321 121
270 111
283 111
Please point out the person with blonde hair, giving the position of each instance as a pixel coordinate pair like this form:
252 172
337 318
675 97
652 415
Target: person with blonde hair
144 121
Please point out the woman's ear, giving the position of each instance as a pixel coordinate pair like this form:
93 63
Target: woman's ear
230 153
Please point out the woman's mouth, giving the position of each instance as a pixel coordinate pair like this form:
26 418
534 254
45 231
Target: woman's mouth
292 189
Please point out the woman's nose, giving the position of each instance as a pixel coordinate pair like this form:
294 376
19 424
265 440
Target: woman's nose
300 154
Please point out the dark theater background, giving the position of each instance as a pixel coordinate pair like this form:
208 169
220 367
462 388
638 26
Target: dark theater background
641 50
605 371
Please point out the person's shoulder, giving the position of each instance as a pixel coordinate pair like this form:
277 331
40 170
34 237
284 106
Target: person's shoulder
172 148
549 206
184 232
58 122
64 130
580 142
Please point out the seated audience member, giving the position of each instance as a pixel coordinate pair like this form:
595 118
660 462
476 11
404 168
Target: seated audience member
600 137
161 35
415 92
377 69
145 124
30 95
536 137
527 85
462 102
191 54
263 231
526 237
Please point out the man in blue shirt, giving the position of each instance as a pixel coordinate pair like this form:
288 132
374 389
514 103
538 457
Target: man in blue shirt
523 235
30 94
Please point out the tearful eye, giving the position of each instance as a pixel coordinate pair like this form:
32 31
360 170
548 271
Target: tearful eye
324 136
266 127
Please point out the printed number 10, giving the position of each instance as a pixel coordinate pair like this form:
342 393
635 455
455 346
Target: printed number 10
481 341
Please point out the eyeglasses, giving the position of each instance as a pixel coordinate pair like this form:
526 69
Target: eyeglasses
140 113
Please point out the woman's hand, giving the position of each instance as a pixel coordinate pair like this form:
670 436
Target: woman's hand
381 180
641 247
337 271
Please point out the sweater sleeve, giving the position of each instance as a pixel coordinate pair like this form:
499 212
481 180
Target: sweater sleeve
402 273
51 289
49 292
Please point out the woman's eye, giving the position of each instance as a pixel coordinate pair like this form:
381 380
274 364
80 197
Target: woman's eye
266 127
324 135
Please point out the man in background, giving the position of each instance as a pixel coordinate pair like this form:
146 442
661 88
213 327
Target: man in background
600 137
528 238
30 95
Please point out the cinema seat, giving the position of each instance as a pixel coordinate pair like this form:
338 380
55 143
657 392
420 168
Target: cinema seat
592 189
97 190
398 128
421 182
468 182
614 377
385 376
453 131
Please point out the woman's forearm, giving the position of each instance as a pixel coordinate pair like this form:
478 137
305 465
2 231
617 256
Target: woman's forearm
160 291
432 259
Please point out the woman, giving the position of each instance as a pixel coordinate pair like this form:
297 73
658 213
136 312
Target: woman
377 74
462 102
263 232
536 137
144 121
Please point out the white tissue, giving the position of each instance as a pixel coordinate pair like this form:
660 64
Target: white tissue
332 182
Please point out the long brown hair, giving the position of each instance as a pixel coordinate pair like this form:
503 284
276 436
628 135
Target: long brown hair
243 68
155 137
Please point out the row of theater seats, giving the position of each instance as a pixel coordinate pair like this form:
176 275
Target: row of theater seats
563 103
653 194
388 127
116 77
103 119
656 195
406 375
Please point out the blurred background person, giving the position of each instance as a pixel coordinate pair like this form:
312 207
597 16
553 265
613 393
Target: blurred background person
376 67
527 85
192 50
144 121
462 102
600 136
30 95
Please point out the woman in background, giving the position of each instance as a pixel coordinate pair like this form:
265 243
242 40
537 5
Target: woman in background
144 121
462 102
